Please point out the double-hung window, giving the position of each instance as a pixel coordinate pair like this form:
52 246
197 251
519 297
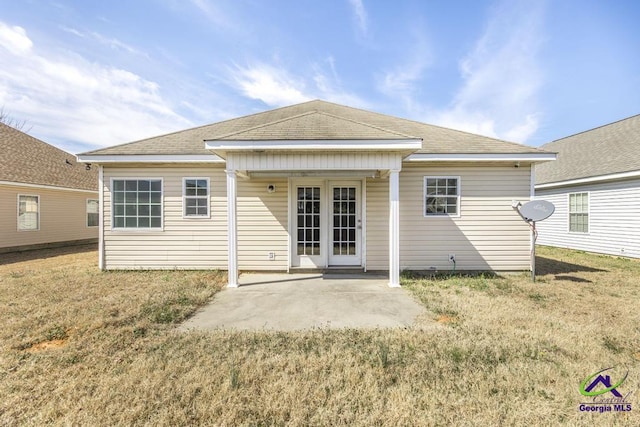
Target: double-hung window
441 196
28 212
137 203
579 212
195 197
93 212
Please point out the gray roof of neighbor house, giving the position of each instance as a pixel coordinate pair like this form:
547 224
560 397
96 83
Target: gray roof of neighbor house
609 149
28 160
317 120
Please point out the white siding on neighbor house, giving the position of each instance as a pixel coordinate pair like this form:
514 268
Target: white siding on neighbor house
63 216
198 243
201 243
614 219
488 234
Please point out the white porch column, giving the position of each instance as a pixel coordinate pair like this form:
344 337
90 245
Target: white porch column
101 217
394 228
232 228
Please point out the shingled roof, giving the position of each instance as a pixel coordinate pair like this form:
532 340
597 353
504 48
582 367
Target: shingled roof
317 120
609 149
28 160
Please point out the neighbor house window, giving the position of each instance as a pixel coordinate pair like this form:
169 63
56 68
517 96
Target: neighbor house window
195 197
137 203
441 196
93 212
579 212
28 212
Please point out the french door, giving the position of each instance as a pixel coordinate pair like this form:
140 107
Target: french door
327 223
345 223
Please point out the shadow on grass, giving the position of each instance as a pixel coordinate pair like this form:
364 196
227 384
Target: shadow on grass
572 279
13 257
555 267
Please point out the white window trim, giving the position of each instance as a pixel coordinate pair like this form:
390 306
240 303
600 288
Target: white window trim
113 211
424 196
18 212
87 213
184 199
588 193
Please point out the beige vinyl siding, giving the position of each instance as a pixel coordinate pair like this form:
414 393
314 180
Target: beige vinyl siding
614 223
377 200
262 224
201 243
63 216
184 243
488 234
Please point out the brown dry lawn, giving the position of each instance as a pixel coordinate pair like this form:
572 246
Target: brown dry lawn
85 347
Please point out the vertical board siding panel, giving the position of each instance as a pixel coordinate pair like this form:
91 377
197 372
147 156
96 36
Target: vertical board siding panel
184 242
63 216
262 225
488 234
312 161
614 220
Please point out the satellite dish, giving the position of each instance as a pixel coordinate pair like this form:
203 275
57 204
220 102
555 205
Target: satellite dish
537 210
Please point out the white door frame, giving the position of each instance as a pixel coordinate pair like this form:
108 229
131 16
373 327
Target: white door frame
326 201
345 260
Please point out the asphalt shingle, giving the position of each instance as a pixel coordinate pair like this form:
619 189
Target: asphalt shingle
28 160
609 149
318 120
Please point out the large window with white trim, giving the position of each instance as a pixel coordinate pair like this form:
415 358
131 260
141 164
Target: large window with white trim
137 203
28 212
195 197
441 196
579 212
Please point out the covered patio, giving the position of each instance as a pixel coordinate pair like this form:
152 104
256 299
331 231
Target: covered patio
326 190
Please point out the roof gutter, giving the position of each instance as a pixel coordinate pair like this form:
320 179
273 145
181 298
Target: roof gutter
590 180
150 158
481 157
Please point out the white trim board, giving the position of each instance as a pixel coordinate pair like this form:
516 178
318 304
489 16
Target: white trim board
313 144
150 158
46 187
480 157
590 180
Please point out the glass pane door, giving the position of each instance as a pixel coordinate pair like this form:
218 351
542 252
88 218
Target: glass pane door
344 221
308 200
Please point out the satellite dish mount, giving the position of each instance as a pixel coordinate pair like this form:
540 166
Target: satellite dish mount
532 212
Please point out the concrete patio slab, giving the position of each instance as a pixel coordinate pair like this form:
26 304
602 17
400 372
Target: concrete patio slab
287 302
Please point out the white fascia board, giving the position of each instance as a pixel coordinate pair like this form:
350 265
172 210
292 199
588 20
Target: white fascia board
47 187
590 180
459 157
312 144
151 158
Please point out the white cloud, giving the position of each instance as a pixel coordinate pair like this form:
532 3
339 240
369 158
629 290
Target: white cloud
360 15
274 87
403 82
501 76
14 39
110 42
277 87
70 100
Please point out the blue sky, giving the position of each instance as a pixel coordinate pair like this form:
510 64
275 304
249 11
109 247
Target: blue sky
87 74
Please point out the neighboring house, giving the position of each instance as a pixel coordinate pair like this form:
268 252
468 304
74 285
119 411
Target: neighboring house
315 185
595 186
46 197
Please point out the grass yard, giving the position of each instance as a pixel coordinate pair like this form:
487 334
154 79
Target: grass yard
91 348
